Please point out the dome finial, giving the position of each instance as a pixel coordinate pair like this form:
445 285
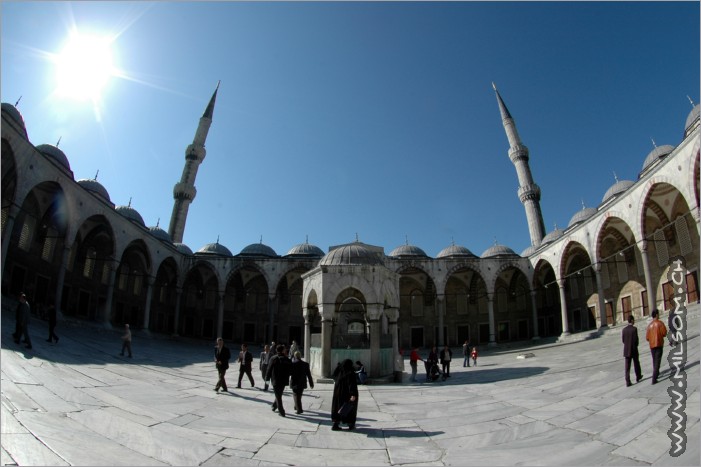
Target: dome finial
306 240
615 177
356 237
687 96
129 205
653 142
158 222
98 171
495 241
20 98
217 239
555 224
261 239
583 206
452 240
59 141
406 237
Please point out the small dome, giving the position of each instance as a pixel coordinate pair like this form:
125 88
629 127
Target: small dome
95 187
56 154
352 254
454 250
617 188
131 214
305 249
552 236
658 153
528 251
258 249
691 119
582 215
160 234
184 249
408 250
16 116
497 251
214 249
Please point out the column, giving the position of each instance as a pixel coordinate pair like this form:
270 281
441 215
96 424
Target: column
393 316
271 317
651 290
440 309
603 324
373 316
326 329
60 280
7 234
149 297
534 306
176 323
307 332
492 328
107 312
563 308
220 314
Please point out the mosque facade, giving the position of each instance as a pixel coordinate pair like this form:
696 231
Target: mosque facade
66 244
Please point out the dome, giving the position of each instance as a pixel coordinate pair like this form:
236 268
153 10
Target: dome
617 188
16 116
498 250
693 116
528 251
408 250
160 234
131 214
258 249
351 254
454 250
552 236
305 249
657 153
182 248
95 187
582 215
56 154
214 249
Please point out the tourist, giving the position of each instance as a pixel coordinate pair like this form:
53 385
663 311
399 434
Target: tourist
361 374
126 341
446 356
466 354
245 360
293 350
263 365
474 356
221 359
22 315
344 404
431 362
656 332
630 350
299 375
279 369
413 362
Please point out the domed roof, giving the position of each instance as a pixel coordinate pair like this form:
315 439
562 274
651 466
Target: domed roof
658 153
692 117
160 234
351 254
16 116
56 154
552 236
305 249
408 250
214 249
94 186
454 250
498 250
131 214
582 215
258 249
182 248
528 251
617 188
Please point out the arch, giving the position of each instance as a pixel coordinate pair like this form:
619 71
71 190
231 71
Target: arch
163 298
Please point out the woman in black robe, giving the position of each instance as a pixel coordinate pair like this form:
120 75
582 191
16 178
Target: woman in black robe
345 389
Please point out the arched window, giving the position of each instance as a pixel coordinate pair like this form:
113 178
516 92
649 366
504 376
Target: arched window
89 262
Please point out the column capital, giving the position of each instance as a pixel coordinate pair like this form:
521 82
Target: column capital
374 312
392 314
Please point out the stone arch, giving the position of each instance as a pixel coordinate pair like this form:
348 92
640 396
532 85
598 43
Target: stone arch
548 308
163 298
199 302
131 284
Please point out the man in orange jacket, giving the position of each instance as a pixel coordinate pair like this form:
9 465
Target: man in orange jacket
656 332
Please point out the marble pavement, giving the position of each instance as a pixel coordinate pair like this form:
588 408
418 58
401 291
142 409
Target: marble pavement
79 403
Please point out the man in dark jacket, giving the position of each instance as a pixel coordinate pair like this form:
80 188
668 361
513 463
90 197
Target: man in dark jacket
279 369
23 315
221 357
446 357
245 361
630 350
299 376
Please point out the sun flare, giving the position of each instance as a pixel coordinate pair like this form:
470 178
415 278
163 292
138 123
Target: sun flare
84 67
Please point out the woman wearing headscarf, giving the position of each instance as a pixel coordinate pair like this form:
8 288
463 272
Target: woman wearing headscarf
345 391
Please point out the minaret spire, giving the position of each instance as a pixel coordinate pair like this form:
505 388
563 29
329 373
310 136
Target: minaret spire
528 191
184 192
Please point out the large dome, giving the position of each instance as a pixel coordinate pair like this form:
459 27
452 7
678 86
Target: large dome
258 249
214 249
455 251
182 248
16 117
306 249
582 215
351 254
131 214
552 236
657 154
54 153
692 118
617 188
407 250
496 251
95 187
160 234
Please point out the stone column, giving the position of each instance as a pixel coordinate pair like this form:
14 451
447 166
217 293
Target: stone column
563 308
374 312
492 327
649 285
326 329
7 234
60 280
107 312
220 314
398 363
271 317
440 309
603 325
307 332
534 306
176 324
149 281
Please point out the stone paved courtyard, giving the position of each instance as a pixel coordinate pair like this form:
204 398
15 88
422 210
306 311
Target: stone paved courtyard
79 403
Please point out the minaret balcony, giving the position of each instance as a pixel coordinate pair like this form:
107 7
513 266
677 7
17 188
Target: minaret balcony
195 152
184 191
518 152
529 192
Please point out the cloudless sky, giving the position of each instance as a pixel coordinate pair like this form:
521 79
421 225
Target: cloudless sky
358 117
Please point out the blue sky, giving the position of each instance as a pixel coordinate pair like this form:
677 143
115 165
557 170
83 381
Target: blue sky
375 119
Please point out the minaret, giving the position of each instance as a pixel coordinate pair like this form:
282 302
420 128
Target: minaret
184 191
528 191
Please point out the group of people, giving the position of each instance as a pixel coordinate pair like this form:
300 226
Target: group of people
433 372
22 318
655 334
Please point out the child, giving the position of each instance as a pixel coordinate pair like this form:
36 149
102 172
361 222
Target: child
474 355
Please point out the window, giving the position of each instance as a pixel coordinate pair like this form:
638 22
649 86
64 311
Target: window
25 238
89 263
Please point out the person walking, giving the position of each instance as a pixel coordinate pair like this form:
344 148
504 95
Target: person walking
51 312
344 404
279 370
656 332
466 354
446 356
23 315
126 340
293 350
413 362
629 336
299 375
431 361
474 356
263 365
221 359
245 361
361 373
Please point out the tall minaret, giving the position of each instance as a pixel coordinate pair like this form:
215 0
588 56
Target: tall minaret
184 191
528 191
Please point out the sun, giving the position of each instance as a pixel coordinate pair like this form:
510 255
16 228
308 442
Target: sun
84 66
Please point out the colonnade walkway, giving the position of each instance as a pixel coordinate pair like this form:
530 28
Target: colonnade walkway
79 403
